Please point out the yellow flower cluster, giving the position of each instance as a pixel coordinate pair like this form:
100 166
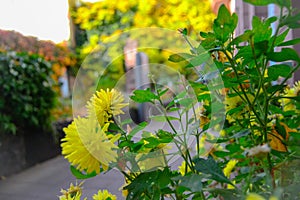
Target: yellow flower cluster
104 195
74 192
86 144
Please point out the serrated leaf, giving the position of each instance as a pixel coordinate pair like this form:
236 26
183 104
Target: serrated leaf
210 166
79 175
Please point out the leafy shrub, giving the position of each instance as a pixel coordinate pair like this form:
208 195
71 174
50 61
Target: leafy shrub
26 92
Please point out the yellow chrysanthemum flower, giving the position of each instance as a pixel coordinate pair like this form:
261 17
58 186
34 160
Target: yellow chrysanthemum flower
229 167
106 104
86 145
104 195
234 102
72 193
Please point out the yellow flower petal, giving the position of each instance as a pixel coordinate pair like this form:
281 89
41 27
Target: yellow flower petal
86 145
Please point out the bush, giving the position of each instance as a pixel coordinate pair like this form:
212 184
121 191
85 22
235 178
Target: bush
26 92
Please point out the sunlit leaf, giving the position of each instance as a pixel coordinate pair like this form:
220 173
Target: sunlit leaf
142 96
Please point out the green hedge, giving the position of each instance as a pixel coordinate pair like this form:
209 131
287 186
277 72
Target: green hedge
27 94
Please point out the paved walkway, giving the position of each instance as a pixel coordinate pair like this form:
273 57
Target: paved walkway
44 181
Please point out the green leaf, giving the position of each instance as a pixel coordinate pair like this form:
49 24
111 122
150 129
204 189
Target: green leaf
79 175
280 38
138 128
221 154
226 193
285 3
210 166
200 59
142 96
261 2
290 42
185 102
152 142
125 144
180 57
285 55
242 38
225 24
164 136
262 29
292 21
235 110
192 182
233 148
209 42
184 31
160 118
203 34
275 71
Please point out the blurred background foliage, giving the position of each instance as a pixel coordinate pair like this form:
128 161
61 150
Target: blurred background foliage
30 87
98 30
101 28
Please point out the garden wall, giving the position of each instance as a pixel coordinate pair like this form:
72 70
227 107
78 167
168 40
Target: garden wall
18 152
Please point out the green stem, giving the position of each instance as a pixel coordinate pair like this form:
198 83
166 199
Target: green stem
233 64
